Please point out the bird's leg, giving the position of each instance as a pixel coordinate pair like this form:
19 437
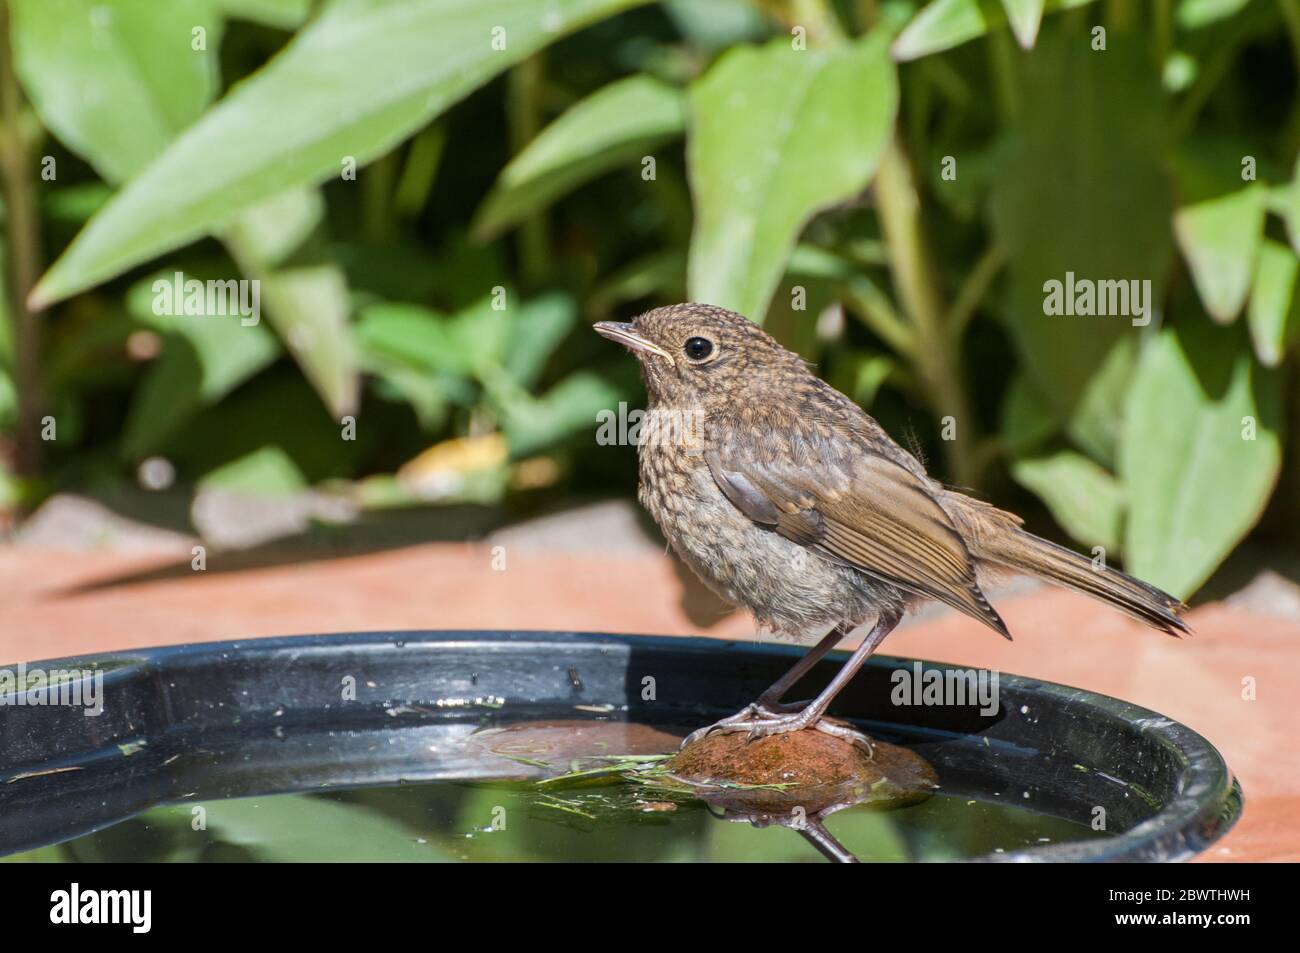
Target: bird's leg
810 716
815 832
768 705
770 700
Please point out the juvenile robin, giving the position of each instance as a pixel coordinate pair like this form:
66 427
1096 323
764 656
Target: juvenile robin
786 498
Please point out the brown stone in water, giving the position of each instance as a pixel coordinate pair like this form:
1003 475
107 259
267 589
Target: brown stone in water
814 771
557 743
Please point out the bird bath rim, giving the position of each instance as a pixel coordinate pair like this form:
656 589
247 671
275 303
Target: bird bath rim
1065 746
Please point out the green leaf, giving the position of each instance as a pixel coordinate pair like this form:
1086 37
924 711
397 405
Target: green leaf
533 424
271 231
469 341
403 346
944 25
1200 453
1085 499
717 24
352 84
1027 420
271 410
1194 14
75 204
613 126
1220 239
285 14
166 399
266 471
479 335
309 308
860 374
1272 310
947 23
205 357
408 333
1024 17
8 403
778 134
116 80
420 170
152 302
139 56
308 305
1083 154
660 273
460 271
476 341
395 381
1098 416
538 327
1292 209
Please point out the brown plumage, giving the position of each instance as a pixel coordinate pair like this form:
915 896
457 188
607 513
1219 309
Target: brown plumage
785 497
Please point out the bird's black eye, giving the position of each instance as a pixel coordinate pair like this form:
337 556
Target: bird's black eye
697 349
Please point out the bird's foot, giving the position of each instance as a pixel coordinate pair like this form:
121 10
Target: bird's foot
755 712
761 719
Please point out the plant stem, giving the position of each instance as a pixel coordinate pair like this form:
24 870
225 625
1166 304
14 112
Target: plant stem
1002 55
926 341
867 12
820 20
1162 31
938 362
1290 10
378 184
524 86
24 243
877 312
1211 72
1118 15
972 292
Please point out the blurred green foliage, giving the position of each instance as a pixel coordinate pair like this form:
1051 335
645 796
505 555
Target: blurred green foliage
437 196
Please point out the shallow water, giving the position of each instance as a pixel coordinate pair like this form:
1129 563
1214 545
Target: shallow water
524 821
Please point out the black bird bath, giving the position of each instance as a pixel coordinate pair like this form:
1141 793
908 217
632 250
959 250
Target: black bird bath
543 745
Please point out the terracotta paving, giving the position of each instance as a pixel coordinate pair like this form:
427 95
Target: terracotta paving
60 602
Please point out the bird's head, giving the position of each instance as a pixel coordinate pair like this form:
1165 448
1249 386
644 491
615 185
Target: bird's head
691 351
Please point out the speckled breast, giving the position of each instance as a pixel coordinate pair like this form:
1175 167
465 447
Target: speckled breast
788 587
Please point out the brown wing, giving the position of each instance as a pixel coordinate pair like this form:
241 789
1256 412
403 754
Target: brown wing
849 503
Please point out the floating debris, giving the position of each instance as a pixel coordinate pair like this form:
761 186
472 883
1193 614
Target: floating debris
26 775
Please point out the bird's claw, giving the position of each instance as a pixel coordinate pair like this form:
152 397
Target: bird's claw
846 733
737 722
760 721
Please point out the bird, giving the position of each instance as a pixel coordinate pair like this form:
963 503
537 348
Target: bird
786 498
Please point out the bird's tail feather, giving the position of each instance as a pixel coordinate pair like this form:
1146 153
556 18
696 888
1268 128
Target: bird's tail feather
1027 553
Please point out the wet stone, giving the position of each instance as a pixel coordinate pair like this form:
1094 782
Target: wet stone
807 770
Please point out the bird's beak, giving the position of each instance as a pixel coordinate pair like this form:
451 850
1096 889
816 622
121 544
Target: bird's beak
625 334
